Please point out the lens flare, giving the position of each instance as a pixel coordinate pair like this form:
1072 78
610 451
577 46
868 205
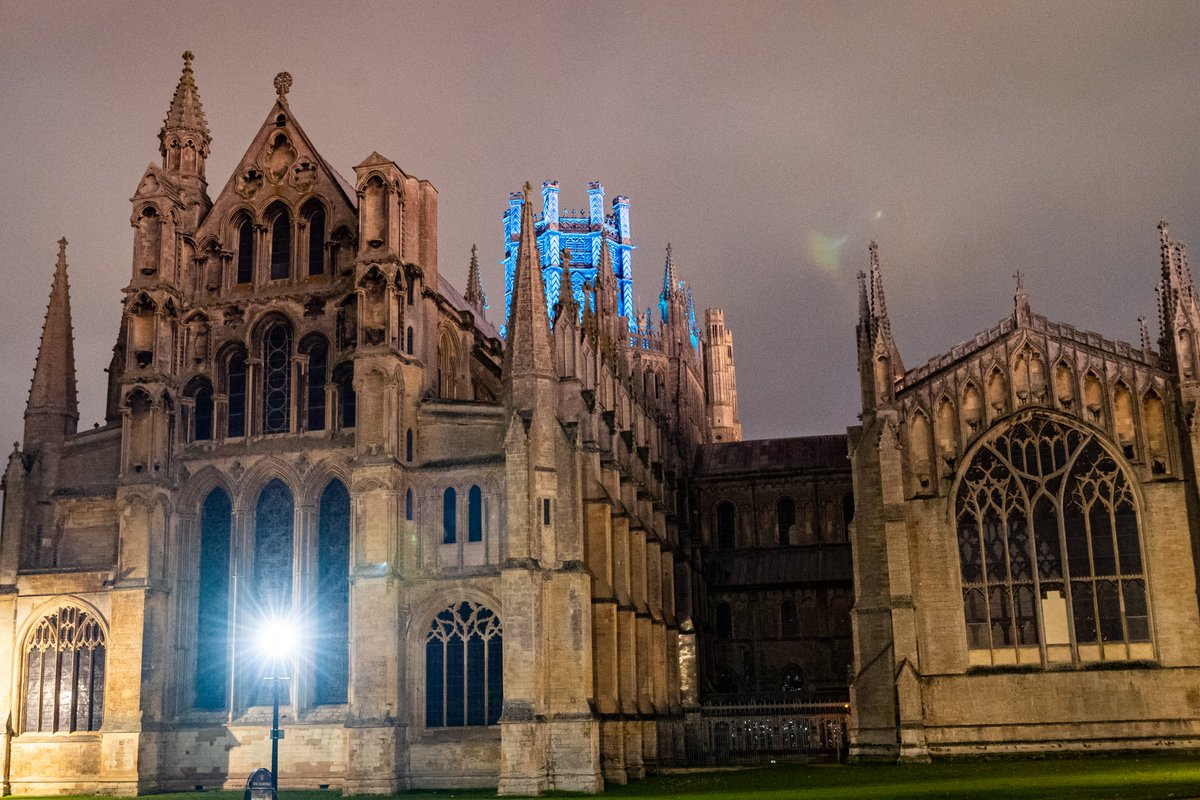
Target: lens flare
826 251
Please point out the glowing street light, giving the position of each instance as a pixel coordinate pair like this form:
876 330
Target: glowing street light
278 641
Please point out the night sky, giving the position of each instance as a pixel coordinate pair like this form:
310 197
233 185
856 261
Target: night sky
768 143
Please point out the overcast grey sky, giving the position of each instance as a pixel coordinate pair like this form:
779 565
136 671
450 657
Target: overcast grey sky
769 143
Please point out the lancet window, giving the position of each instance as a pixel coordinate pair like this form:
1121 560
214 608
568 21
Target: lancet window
464 673
1050 550
343 379
316 239
201 393
318 375
245 251
212 606
281 245
235 387
475 515
64 673
333 595
449 516
277 378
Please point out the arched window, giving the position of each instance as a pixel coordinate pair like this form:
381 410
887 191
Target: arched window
726 534
408 445
277 379
245 251
235 387
64 673
789 628
273 548
408 505
408 344
785 519
464 672
1049 549
333 595
724 621
201 393
475 515
212 604
343 379
316 240
449 516
318 375
281 245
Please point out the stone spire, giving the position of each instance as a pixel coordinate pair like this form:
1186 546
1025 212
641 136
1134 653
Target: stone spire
568 306
474 294
874 325
186 114
528 350
53 409
670 279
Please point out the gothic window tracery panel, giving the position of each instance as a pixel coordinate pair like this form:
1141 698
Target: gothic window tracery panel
315 347
235 387
333 594
1049 549
277 379
64 673
464 668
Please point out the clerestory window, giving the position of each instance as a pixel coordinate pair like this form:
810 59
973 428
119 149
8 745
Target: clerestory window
1050 551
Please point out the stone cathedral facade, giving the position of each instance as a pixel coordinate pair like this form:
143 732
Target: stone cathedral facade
524 559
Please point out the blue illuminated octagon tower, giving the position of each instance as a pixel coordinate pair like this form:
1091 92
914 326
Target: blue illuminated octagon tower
579 231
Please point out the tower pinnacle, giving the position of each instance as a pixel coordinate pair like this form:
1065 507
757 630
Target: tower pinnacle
186 114
53 410
474 294
528 351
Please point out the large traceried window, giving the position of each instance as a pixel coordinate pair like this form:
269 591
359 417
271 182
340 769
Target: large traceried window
1050 551
64 673
464 668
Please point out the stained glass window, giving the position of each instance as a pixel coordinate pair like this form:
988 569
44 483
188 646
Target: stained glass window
1048 544
235 379
273 547
245 254
464 670
449 516
333 595
318 374
281 246
64 673
212 618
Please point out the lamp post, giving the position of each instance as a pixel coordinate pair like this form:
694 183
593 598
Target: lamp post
277 642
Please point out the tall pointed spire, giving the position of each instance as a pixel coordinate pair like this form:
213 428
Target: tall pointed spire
568 305
474 294
878 326
186 114
670 279
528 349
52 394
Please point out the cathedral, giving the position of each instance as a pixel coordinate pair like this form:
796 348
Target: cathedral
526 556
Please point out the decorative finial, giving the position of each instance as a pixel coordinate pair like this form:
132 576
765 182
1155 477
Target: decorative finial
1145 332
62 246
188 57
1020 276
283 82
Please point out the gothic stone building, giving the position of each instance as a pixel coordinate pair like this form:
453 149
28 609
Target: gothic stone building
523 560
478 536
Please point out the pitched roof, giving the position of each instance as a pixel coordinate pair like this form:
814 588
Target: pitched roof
774 455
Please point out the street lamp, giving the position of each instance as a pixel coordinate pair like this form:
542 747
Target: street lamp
278 638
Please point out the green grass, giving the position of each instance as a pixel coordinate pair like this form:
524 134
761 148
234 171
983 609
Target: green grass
1093 778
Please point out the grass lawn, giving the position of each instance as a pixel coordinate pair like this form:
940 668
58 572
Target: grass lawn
1095 778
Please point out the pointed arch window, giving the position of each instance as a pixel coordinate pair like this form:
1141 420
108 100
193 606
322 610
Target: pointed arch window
449 516
317 351
1050 550
212 607
281 245
408 445
201 393
235 387
785 519
245 251
343 379
408 340
277 378
464 669
475 515
64 673
408 505
316 240
273 520
726 534
333 595
789 627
